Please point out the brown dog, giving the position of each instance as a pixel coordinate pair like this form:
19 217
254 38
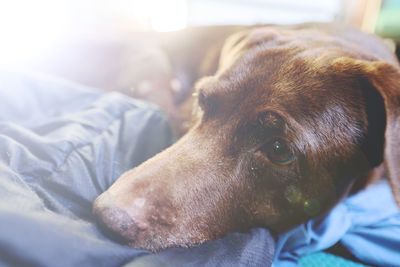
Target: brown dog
293 120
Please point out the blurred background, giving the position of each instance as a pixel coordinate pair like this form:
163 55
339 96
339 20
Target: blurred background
88 40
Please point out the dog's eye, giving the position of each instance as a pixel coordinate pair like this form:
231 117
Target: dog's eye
278 151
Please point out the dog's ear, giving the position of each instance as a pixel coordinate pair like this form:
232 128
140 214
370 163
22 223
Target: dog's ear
385 79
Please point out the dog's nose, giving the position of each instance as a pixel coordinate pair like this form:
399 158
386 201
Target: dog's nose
117 219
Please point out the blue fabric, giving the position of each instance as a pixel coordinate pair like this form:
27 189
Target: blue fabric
61 145
322 259
367 224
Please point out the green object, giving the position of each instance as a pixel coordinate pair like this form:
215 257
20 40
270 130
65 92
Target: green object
322 259
312 207
388 24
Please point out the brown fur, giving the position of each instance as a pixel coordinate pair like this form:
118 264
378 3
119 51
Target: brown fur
331 94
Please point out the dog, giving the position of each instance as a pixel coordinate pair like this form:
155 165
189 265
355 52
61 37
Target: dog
294 119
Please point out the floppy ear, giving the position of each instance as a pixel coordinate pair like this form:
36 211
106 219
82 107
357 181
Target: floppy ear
385 78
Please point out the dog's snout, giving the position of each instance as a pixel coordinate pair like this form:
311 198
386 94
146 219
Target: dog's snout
117 219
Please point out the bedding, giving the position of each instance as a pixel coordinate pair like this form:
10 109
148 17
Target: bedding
367 224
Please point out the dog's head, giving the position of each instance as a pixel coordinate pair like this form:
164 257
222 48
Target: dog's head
285 127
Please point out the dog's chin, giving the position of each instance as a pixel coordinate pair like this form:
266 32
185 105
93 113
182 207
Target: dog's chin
157 243
155 246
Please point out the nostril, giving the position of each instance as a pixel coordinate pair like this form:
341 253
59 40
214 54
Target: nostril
116 219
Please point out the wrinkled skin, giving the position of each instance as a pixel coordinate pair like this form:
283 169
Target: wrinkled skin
283 131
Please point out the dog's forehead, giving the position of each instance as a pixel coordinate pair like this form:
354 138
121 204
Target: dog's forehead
291 78
278 76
